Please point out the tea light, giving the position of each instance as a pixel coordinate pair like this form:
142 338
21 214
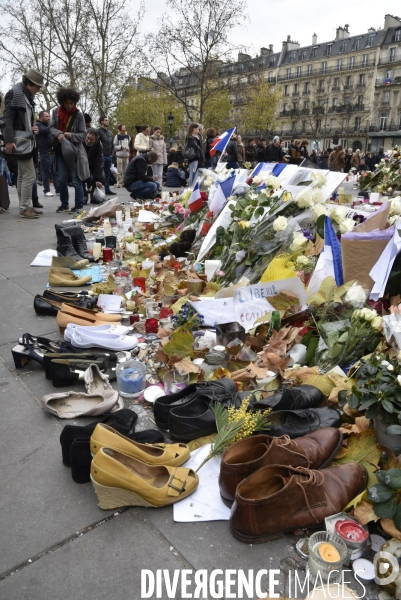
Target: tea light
119 216
134 319
351 532
328 552
377 542
363 569
131 379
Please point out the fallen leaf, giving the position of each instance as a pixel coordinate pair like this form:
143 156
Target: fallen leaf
272 362
211 287
329 292
248 373
276 343
177 306
364 513
390 528
310 376
162 332
181 344
283 300
362 448
220 373
355 501
314 249
186 366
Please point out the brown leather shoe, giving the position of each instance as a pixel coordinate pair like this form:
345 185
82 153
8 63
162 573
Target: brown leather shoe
29 213
314 450
277 499
37 212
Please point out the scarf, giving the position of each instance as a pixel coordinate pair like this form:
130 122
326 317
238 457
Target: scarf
63 117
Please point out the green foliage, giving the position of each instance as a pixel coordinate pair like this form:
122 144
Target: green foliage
385 496
259 112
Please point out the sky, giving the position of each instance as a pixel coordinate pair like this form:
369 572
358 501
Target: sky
270 21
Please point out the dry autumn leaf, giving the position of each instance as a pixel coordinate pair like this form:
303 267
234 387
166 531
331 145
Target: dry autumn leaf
390 528
310 376
364 513
361 424
186 365
283 300
272 362
362 448
248 373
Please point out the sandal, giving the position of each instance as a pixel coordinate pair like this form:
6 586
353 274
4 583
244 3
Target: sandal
171 455
27 349
120 480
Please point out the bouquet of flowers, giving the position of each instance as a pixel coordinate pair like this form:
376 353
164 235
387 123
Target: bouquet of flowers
386 177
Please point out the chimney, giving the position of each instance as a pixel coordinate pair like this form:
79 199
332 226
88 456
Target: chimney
242 57
339 33
346 32
314 39
271 48
265 51
371 30
390 21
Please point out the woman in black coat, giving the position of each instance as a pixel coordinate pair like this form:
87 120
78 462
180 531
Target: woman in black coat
193 141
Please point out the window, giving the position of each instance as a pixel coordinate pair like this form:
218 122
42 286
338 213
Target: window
359 100
309 69
351 62
288 73
272 61
303 125
357 123
299 71
285 105
318 124
399 124
356 44
343 47
348 81
339 64
345 122
324 66
347 100
335 101
321 85
389 74
295 105
314 52
307 87
286 90
293 125
336 83
296 88
397 35
365 59
383 121
270 76
369 41
329 48
386 97
361 82
306 105
333 123
303 55
392 54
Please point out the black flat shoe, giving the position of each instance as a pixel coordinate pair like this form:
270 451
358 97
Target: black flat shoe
66 372
82 299
295 398
87 357
296 423
223 391
193 420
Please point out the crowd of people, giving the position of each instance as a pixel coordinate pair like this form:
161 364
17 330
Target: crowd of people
64 148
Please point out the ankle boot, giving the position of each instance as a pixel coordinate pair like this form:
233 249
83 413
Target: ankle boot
64 244
65 277
78 241
68 262
80 459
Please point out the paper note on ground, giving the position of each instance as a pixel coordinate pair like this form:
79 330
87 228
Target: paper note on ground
205 504
215 311
108 302
147 216
250 302
44 258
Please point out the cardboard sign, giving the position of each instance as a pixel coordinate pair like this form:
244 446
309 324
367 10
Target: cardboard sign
251 302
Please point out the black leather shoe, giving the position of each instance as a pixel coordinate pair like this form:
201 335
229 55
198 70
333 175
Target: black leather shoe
82 299
43 306
222 391
192 420
37 204
110 193
295 398
78 241
296 423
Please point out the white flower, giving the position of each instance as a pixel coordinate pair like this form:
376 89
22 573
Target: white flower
346 225
253 196
302 261
298 241
399 379
368 314
272 182
377 322
390 368
240 255
318 211
356 295
317 196
338 213
257 179
385 363
304 198
393 219
280 224
319 177
395 206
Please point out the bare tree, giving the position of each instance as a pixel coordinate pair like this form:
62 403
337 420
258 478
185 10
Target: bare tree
186 54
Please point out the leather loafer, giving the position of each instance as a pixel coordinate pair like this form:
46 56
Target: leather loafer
221 391
296 423
315 450
120 480
294 398
278 498
171 455
192 420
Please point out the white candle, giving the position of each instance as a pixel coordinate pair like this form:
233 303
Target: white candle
97 250
119 216
364 569
107 228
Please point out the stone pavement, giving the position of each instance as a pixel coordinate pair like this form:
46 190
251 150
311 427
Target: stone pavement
55 542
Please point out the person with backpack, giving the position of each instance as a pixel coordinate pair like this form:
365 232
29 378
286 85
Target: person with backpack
337 159
137 181
193 150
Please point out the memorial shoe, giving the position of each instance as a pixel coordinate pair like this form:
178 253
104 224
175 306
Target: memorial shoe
110 341
276 499
82 316
98 329
296 423
294 398
171 455
120 480
315 450
68 262
60 276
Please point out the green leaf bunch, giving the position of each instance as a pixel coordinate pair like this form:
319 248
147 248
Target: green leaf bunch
386 496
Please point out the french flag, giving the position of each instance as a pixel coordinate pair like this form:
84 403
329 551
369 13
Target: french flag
195 201
220 143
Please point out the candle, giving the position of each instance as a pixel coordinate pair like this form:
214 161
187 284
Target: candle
151 325
97 249
107 255
140 284
134 319
107 228
328 552
363 569
119 216
131 378
350 531
149 264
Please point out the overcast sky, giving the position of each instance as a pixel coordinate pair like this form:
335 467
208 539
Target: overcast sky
272 20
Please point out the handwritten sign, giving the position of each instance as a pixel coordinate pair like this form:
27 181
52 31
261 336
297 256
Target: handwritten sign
251 302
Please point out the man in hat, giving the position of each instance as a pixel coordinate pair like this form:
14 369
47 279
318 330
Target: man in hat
121 147
19 115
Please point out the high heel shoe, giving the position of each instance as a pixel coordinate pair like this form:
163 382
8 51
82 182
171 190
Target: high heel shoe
64 373
52 346
67 356
26 351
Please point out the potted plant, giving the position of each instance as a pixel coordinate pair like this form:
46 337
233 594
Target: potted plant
378 393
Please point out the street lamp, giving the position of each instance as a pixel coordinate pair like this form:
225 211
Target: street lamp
170 121
325 101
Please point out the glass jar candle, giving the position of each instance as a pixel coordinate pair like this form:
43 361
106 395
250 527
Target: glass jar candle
107 254
213 361
151 325
327 554
140 284
131 378
174 382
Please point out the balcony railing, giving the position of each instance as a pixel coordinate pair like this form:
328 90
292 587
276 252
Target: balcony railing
306 92
390 59
388 81
332 69
361 84
295 93
392 126
336 88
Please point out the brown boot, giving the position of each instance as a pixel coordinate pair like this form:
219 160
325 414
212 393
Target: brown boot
314 450
29 213
65 277
278 498
69 263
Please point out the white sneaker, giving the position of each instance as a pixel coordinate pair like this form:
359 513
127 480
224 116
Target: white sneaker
110 341
49 194
98 329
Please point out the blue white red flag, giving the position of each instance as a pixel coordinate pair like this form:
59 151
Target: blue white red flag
220 143
195 201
